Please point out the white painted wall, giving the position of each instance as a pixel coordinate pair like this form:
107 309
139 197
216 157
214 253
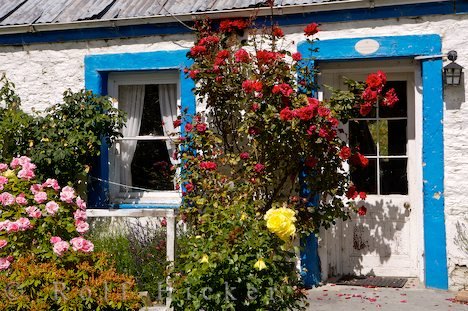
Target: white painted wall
43 71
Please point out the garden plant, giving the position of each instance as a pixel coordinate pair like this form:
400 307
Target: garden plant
263 167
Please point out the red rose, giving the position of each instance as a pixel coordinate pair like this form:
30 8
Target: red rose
189 187
244 155
177 123
311 29
311 162
352 193
376 81
306 113
201 127
362 195
164 222
209 40
223 54
323 111
358 159
362 211
345 153
369 95
390 98
233 25
188 127
259 167
193 73
250 86
296 56
282 88
253 131
365 109
277 32
197 50
312 129
208 165
255 107
242 56
286 114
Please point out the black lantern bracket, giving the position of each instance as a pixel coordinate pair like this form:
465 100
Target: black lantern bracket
453 72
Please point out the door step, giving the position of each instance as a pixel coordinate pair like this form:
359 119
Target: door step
372 281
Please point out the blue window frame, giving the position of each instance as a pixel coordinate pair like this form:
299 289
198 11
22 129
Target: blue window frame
97 69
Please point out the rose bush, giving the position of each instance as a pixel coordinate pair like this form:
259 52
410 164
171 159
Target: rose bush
253 165
42 225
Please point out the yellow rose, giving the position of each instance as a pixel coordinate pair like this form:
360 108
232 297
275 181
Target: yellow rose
204 258
280 221
260 265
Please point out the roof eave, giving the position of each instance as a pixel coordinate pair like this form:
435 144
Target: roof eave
247 12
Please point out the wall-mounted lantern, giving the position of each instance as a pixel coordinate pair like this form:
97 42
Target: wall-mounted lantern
453 71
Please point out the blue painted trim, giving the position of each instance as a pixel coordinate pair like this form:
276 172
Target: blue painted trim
97 68
433 144
433 175
394 11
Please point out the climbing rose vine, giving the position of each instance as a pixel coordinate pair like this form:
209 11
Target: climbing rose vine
264 164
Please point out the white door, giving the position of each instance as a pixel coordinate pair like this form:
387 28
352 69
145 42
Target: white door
384 242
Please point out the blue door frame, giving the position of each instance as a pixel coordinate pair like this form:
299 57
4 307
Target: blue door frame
390 47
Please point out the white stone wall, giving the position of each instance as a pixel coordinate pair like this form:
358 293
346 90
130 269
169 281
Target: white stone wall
43 71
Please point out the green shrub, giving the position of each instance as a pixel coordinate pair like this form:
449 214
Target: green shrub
92 284
65 139
137 248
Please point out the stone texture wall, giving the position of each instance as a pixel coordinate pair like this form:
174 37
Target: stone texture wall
43 71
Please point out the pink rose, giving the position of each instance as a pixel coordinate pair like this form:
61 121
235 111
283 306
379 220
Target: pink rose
3 180
61 247
15 162
40 197
24 223
55 239
52 207
13 227
4 264
3 167
80 215
3 243
81 203
26 174
67 194
21 200
244 155
4 225
81 226
51 183
7 199
33 212
81 244
36 188
259 167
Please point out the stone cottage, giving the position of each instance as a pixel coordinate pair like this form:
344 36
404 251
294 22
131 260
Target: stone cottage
135 51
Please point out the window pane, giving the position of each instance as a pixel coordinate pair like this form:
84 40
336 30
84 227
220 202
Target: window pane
151 123
392 137
400 108
365 179
363 133
393 178
151 166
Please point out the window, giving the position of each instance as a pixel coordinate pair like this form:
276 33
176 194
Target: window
382 138
141 161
